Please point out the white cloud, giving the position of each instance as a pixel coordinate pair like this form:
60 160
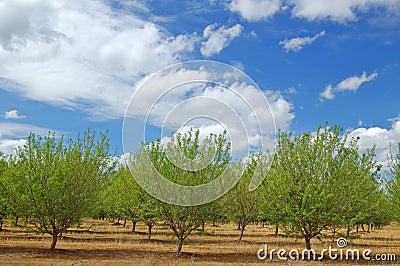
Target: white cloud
254 10
239 107
327 93
18 130
9 146
337 11
13 114
218 38
296 44
13 135
381 137
352 83
81 54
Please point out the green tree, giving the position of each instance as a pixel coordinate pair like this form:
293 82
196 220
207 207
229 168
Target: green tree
242 205
183 220
60 180
394 183
3 198
318 179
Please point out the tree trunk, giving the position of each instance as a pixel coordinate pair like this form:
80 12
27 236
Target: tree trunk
238 228
124 225
362 226
348 231
133 226
368 228
1 224
276 229
54 242
357 229
308 242
241 232
333 235
179 244
202 226
149 226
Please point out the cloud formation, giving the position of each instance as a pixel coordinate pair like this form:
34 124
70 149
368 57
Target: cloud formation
313 10
381 137
254 10
13 114
218 38
12 135
82 55
208 106
352 83
337 11
296 44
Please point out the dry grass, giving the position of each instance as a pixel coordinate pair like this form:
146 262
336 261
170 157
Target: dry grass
100 243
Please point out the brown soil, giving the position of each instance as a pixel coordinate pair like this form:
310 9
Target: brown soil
101 243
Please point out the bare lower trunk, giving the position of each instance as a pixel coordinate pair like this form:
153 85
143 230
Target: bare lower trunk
133 226
179 244
1 224
124 225
308 242
357 229
238 228
276 229
149 227
333 235
54 241
202 226
241 232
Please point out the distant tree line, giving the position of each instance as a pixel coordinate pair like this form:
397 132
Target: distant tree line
318 183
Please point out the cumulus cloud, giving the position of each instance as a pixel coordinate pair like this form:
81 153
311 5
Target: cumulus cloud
296 44
218 38
13 114
352 83
337 11
82 55
239 107
254 10
9 146
327 93
381 137
18 130
12 135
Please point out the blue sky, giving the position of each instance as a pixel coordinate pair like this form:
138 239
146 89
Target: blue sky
69 66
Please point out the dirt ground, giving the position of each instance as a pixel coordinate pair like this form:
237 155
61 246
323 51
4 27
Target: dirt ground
101 243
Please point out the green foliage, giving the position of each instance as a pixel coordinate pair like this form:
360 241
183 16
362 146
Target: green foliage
182 220
55 182
319 181
3 198
394 183
242 205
